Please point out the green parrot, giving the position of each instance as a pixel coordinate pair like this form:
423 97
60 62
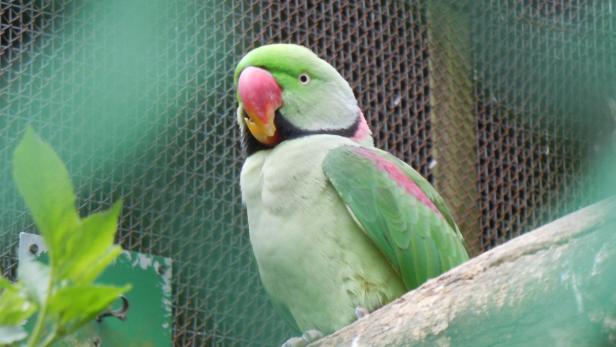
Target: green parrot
337 226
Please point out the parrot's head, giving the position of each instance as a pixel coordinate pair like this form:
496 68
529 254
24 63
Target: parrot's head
286 91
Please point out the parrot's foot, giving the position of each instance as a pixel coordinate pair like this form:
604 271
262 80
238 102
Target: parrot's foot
302 341
361 312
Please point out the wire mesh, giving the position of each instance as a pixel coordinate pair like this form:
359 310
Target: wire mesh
544 74
484 98
366 42
140 107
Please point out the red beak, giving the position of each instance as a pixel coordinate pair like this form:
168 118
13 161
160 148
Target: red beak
260 97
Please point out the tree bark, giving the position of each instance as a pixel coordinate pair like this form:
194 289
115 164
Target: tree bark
554 286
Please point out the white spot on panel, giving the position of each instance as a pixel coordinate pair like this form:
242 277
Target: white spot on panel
144 261
166 287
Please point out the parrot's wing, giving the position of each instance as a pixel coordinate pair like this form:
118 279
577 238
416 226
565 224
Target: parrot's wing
399 211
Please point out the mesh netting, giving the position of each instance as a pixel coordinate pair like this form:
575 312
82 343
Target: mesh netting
484 98
545 73
137 98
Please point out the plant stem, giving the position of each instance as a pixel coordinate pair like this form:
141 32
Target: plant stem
38 327
50 338
40 319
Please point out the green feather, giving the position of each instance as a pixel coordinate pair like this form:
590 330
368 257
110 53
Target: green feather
326 102
418 242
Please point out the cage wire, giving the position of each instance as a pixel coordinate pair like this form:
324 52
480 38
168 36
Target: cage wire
503 105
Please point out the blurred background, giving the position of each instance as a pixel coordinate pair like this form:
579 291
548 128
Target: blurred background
507 107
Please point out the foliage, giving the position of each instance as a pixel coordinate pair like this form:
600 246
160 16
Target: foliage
79 249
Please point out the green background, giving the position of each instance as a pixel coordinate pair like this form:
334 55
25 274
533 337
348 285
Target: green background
136 97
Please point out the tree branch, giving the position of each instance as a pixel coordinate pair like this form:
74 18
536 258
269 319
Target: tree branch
554 286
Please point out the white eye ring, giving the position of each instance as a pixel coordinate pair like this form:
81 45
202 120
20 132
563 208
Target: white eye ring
304 78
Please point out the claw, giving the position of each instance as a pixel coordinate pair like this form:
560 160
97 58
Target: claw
361 312
295 342
312 335
307 337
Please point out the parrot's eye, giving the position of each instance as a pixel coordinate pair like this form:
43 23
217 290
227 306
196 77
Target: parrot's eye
304 78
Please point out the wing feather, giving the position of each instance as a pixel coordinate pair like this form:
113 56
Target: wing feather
398 210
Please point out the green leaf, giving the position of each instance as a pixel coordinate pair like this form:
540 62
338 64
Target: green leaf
76 305
10 334
100 265
91 249
44 184
15 307
79 251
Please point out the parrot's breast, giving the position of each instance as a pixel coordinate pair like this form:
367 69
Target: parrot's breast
313 259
